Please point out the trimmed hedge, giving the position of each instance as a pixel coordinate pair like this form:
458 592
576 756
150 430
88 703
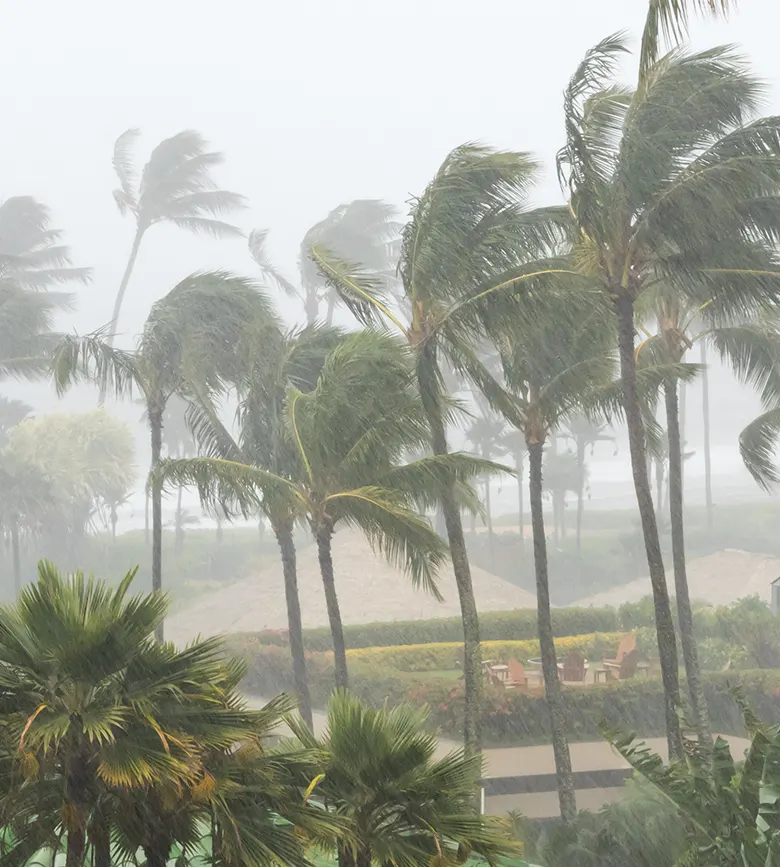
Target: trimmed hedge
517 625
510 718
447 655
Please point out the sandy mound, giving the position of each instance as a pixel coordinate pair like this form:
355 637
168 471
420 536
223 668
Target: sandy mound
717 579
369 590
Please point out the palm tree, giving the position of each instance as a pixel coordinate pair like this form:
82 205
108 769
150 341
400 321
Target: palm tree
349 435
399 804
127 744
175 186
188 341
562 473
363 230
513 442
672 182
552 369
584 432
465 246
273 362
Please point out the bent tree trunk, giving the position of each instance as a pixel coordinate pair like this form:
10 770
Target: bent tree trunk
284 536
323 534
472 653
664 624
684 613
552 684
155 412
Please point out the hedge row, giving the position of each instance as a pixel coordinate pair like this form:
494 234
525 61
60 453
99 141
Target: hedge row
510 718
449 655
517 625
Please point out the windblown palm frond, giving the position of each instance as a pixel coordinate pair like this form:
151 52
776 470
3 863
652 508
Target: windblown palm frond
757 446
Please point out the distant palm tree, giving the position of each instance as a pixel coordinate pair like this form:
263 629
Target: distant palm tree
363 230
176 187
189 341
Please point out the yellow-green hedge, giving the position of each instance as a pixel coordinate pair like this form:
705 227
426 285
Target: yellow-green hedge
447 655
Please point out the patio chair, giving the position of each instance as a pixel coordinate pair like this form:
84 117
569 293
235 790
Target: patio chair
574 667
627 644
627 668
518 679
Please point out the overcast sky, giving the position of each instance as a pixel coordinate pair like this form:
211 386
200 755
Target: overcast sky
314 102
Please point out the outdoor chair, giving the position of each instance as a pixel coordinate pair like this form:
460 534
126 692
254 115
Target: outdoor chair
573 669
518 679
627 668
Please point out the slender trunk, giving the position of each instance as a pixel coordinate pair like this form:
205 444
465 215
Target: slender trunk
659 485
156 427
114 519
179 525
17 565
100 836
552 684
683 390
156 857
580 494
664 624
331 307
311 304
284 536
75 848
684 613
520 506
323 534
120 296
705 408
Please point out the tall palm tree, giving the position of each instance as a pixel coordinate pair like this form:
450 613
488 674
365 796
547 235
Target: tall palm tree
363 230
350 434
175 186
671 182
468 239
552 369
188 341
399 804
563 473
585 432
514 443
273 361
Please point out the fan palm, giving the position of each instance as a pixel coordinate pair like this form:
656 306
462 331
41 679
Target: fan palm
674 182
273 361
189 340
361 231
349 435
468 240
175 186
400 805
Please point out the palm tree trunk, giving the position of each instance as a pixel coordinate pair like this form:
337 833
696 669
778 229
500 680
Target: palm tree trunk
75 848
156 427
155 857
664 624
15 554
101 842
323 534
428 382
705 408
120 297
284 536
580 494
520 506
552 684
684 613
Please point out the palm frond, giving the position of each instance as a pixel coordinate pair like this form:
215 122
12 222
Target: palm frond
757 445
92 359
257 249
126 170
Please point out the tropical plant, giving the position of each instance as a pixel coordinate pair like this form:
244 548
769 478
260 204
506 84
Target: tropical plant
175 186
272 362
468 241
671 182
729 809
123 745
562 474
513 442
363 230
349 435
188 342
399 804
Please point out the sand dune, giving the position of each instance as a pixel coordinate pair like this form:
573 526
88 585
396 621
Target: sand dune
717 579
369 590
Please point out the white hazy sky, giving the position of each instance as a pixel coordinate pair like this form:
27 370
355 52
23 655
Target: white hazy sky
314 102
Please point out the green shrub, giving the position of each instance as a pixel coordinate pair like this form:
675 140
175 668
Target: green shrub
517 625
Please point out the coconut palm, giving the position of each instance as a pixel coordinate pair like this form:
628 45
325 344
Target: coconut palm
563 473
273 362
673 182
363 230
468 241
584 432
398 802
188 341
175 186
350 434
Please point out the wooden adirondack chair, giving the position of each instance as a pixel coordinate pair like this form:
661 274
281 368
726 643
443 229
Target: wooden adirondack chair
573 669
518 679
